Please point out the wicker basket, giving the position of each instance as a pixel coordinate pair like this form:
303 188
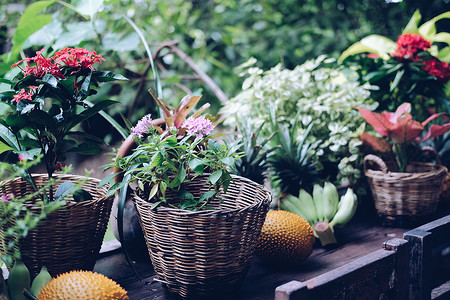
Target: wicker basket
205 252
404 198
69 238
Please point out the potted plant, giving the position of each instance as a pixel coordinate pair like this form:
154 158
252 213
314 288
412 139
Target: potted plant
405 191
47 102
200 222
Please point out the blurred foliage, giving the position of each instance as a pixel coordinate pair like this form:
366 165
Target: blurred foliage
217 35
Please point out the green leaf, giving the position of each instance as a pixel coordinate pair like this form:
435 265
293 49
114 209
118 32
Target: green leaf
397 79
411 27
185 195
9 138
228 161
88 7
428 29
207 195
107 76
76 33
195 162
181 176
85 87
374 43
443 37
214 177
14 120
42 118
63 190
7 81
81 195
7 97
87 148
153 191
157 159
50 80
214 145
4 147
107 180
113 122
118 43
89 112
30 22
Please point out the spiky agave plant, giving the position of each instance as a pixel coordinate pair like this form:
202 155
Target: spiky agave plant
291 165
253 165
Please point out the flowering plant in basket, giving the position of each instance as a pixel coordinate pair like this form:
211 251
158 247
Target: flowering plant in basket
173 151
48 100
402 132
413 69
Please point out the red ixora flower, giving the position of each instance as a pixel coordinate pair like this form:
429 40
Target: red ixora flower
23 95
408 45
77 58
42 66
438 69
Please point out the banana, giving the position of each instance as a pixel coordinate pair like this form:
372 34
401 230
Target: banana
331 201
346 210
319 202
302 206
288 205
307 203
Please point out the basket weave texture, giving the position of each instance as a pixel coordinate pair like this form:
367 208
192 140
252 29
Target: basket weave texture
404 198
69 238
205 252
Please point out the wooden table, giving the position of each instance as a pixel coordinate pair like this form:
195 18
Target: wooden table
358 238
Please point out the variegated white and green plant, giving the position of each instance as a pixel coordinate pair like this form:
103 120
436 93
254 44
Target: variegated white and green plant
321 95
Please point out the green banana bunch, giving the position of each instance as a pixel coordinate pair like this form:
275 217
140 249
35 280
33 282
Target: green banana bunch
346 209
302 206
319 201
322 209
331 198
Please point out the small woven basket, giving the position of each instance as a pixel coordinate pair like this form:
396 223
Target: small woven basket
207 252
404 198
69 238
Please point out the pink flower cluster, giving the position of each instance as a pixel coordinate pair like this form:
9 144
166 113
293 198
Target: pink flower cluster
142 127
199 126
41 67
6 197
77 58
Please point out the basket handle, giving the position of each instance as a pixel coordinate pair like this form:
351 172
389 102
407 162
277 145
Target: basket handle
377 161
430 150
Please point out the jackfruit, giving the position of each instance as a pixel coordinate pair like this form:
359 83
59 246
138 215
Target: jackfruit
286 239
86 285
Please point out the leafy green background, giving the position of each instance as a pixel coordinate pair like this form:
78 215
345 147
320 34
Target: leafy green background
217 35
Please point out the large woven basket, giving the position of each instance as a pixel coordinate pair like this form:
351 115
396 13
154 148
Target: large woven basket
69 238
205 252
404 198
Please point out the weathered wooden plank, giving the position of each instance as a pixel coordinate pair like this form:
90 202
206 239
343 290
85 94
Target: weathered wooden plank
442 292
380 272
424 239
291 291
420 271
